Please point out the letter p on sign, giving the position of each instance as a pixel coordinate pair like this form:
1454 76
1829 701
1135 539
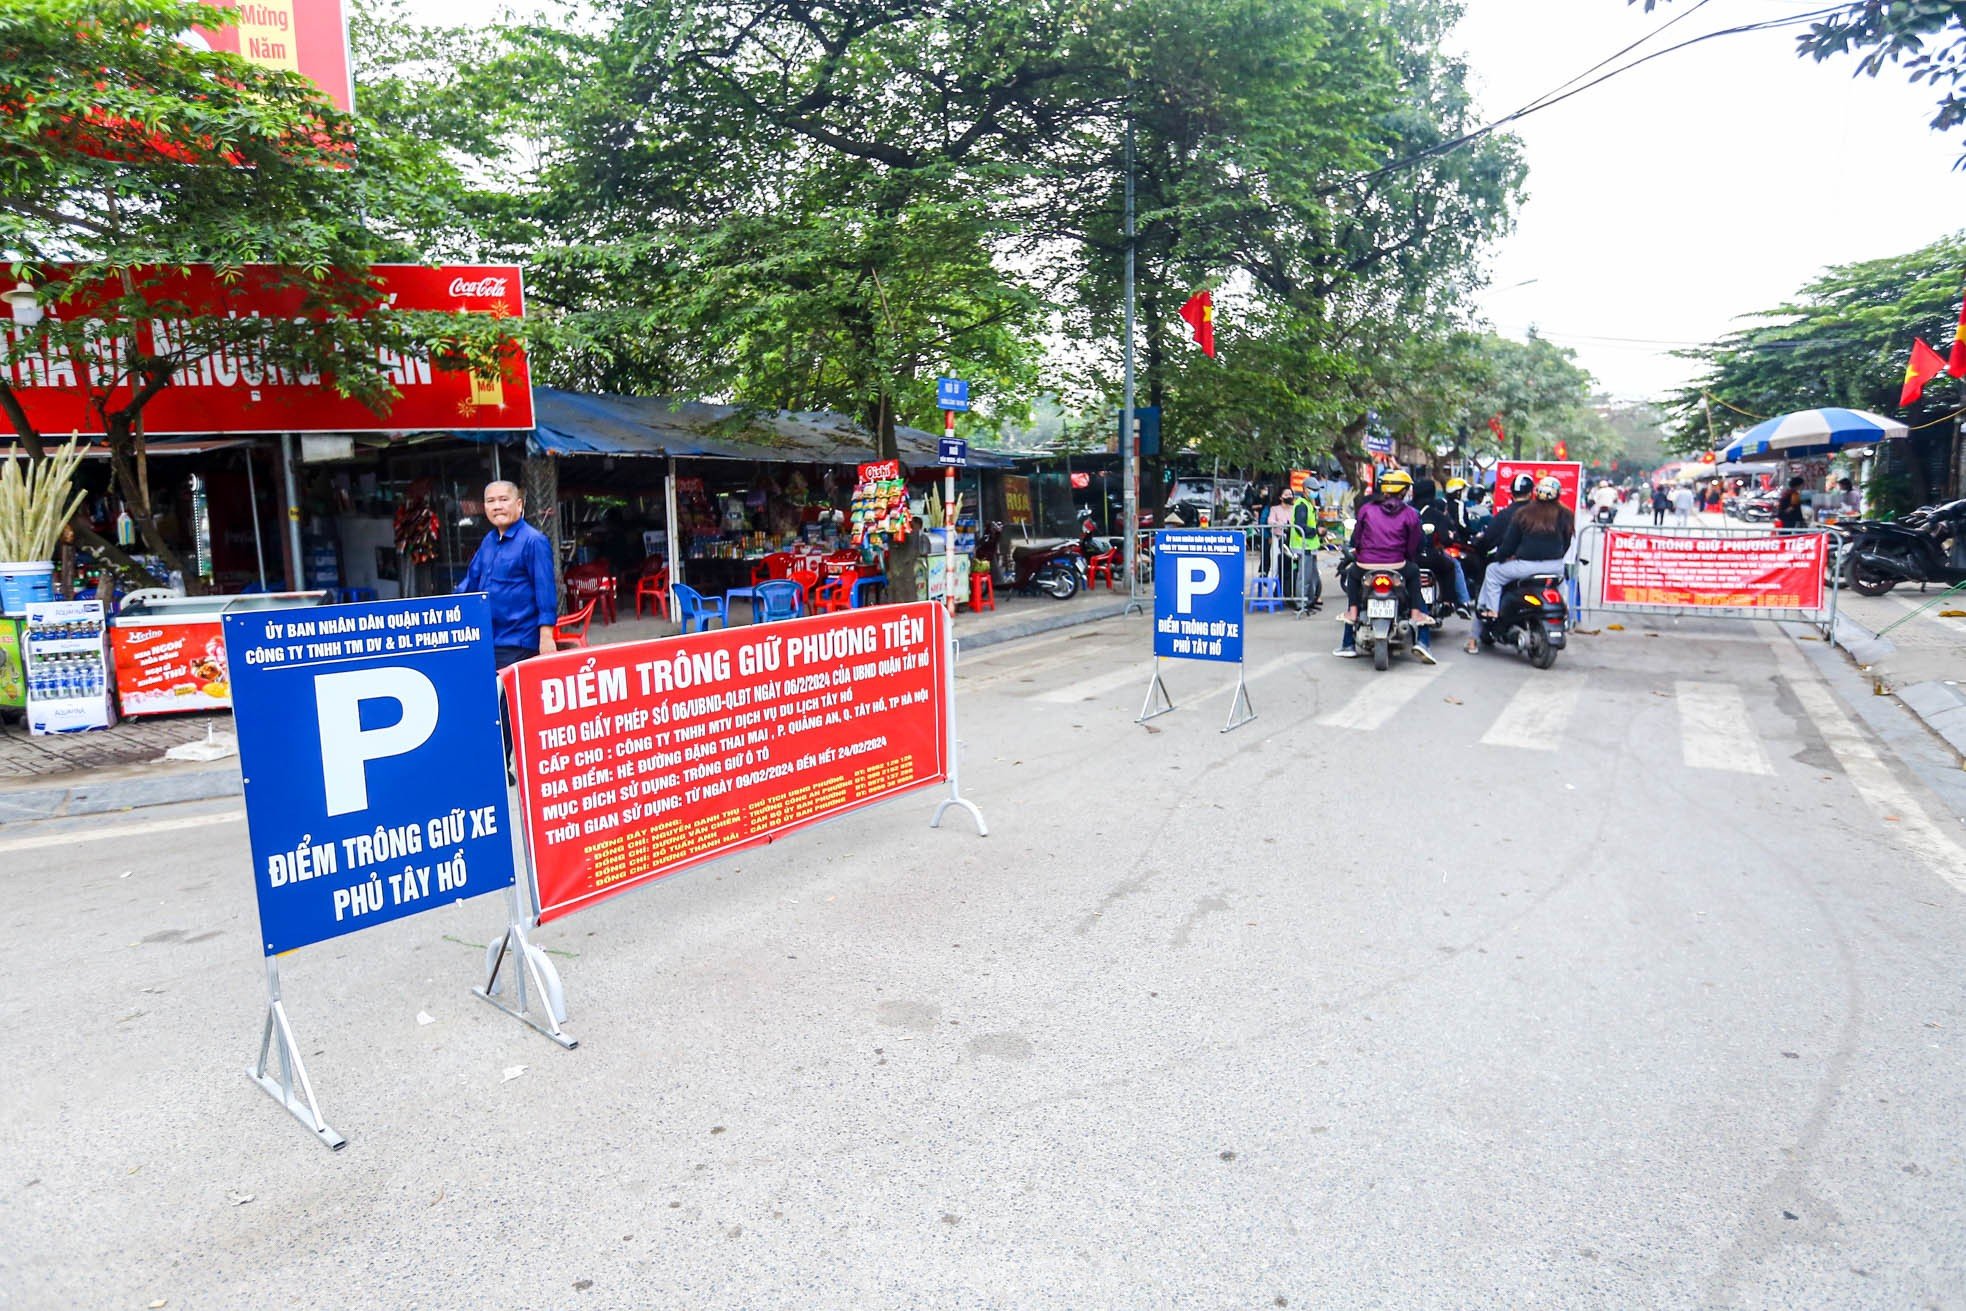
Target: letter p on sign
347 747
1195 576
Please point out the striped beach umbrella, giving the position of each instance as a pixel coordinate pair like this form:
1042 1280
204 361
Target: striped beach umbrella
1810 432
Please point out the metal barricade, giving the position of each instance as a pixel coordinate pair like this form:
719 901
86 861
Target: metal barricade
1589 576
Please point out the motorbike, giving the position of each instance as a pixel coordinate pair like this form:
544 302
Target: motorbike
1880 554
1385 623
1530 619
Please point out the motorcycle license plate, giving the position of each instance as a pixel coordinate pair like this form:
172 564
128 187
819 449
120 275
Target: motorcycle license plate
1380 608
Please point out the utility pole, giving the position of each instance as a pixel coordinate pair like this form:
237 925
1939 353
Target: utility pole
1129 455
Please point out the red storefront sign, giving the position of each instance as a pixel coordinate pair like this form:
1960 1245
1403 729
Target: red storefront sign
1568 473
237 393
170 668
1776 571
640 759
308 37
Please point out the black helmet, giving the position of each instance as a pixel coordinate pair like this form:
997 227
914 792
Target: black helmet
1522 484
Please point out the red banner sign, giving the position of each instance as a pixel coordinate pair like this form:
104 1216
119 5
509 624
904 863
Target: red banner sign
1776 571
1567 472
295 36
640 759
224 393
167 669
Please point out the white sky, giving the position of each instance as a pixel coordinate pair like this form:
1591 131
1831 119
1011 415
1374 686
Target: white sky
1704 186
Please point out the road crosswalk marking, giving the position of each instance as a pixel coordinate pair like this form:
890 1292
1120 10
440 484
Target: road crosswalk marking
1715 731
1098 685
1536 715
1260 672
1382 697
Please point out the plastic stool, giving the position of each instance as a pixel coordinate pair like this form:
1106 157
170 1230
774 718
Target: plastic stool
1266 593
982 592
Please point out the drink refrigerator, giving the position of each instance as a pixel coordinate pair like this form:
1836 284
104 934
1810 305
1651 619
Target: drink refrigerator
67 671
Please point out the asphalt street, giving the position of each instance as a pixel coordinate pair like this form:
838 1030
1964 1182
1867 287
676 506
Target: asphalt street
1630 984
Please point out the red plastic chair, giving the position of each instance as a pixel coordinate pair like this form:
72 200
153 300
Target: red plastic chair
807 575
593 582
570 631
835 593
1106 563
982 592
653 587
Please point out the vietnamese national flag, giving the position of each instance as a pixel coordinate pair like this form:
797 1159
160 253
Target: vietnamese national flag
1956 365
1200 314
1926 364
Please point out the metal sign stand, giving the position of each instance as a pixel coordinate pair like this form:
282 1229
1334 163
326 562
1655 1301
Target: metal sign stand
955 797
293 1074
1156 692
529 963
1240 709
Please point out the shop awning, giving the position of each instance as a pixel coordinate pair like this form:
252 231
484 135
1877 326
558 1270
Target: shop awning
572 423
98 448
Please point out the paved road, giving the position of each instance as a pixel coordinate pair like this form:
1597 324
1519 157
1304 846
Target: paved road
1630 984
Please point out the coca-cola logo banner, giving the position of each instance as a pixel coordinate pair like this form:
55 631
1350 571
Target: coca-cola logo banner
236 392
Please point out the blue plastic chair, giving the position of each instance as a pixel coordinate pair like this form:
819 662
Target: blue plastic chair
781 598
1266 593
692 607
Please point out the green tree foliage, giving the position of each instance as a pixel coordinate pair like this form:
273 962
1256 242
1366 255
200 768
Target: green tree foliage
1842 340
127 153
818 205
1927 38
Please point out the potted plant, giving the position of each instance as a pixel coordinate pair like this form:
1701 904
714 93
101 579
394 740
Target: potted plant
37 497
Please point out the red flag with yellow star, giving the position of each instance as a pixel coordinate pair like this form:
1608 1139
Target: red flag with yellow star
1926 364
1200 314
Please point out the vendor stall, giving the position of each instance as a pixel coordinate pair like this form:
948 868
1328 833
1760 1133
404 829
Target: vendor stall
169 653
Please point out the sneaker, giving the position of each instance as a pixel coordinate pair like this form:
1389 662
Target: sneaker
1346 652
1424 655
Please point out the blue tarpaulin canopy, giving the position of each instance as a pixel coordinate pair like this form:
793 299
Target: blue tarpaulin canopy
570 423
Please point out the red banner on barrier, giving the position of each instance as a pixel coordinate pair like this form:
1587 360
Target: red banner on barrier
645 758
237 393
1775 571
1568 473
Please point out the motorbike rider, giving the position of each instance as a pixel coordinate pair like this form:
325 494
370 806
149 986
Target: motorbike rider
1441 529
1481 551
1387 531
1535 541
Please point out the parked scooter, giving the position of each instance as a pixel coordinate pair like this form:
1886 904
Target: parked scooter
1530 619
1914 549
1055 568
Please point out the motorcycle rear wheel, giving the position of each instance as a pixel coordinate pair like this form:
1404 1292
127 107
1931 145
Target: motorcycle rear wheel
1865 581
1382 656
1541 653
1063 585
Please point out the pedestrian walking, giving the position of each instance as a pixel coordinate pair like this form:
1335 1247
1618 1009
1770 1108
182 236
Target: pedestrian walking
514 569
1660 504
1682 506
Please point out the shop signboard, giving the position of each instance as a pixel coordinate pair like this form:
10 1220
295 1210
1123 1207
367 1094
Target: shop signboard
1775 571
1198 594
639 759
234 392
1568 473
374 772
1017 498
170 668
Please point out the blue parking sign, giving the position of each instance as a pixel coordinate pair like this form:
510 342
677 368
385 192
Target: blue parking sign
1198 577
951 394
374 769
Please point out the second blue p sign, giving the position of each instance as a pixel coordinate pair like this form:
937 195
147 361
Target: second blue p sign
1198 595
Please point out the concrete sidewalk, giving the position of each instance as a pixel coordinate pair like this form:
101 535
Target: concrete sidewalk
123 767
1919 658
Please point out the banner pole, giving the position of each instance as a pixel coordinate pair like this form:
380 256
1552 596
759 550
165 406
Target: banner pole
293 1072
1155 689
955 797
1241 700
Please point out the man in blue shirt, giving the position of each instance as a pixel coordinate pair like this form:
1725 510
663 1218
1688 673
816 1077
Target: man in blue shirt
514 568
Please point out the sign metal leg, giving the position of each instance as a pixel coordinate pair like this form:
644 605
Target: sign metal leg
955 797
1240 709
1158 702
538 999
276 1041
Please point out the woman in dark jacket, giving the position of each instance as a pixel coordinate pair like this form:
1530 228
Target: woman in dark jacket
1535 542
